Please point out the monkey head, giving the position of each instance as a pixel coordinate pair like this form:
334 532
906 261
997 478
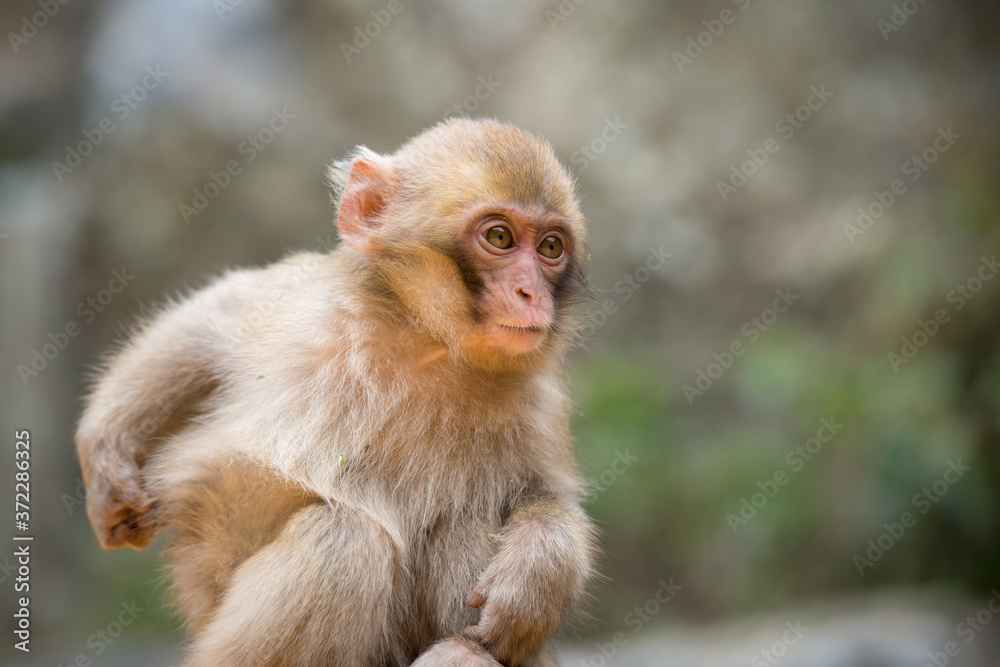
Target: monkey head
473 234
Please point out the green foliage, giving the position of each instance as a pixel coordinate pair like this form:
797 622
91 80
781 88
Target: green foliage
666 515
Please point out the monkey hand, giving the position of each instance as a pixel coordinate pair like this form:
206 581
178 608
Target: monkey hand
519 611
120 510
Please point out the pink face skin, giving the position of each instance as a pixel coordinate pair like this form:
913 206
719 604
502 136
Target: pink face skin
518 279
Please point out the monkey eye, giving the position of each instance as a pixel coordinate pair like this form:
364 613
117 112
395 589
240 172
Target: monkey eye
499 237
551 247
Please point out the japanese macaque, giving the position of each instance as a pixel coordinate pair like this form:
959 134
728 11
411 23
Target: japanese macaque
364 457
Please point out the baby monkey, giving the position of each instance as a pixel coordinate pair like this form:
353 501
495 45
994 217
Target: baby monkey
364 457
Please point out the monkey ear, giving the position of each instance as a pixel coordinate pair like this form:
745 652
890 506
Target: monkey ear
365 193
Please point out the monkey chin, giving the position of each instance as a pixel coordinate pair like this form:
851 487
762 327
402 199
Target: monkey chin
513 340
501 348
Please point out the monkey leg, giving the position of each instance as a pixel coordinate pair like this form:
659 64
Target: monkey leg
456 652
222 512
462 652
322 593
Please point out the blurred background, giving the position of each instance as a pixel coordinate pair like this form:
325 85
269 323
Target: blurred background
789 395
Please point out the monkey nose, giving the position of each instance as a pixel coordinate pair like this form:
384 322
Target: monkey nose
528 295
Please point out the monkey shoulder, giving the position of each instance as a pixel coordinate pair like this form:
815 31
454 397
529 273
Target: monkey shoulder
297 294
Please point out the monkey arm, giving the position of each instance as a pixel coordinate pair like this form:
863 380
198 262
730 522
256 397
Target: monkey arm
539 572
144 393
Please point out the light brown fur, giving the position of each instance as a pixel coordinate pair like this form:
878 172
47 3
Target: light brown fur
342 459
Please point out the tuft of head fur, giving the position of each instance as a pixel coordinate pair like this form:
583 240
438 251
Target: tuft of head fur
463 160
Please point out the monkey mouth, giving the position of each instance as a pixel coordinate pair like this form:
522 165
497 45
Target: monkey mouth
518 329
516 339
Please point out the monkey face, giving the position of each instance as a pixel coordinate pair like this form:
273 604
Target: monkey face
513 265
475 228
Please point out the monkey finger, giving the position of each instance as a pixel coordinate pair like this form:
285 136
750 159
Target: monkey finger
122 525
481 590
472 632
105 518
133 535
476 598
121 532
139 537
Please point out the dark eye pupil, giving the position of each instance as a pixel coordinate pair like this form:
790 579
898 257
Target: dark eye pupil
551 247
499 237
